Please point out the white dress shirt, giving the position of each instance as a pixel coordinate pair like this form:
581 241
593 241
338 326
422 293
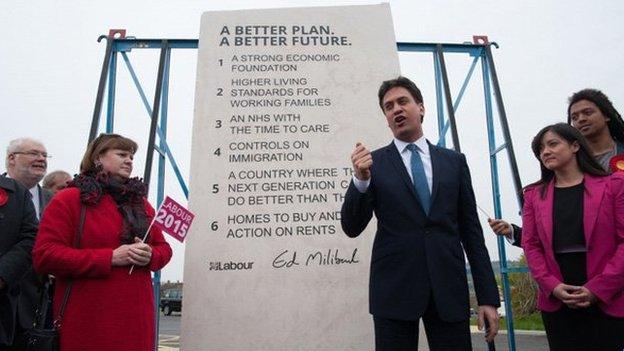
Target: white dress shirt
34 191
425 156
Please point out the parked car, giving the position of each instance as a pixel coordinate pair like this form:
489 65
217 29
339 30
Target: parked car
171 301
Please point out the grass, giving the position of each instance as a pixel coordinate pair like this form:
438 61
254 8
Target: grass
527 322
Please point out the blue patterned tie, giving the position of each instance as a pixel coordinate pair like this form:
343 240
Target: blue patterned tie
419 178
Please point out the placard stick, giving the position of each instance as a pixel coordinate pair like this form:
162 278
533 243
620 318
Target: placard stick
483 212
490 344
143 241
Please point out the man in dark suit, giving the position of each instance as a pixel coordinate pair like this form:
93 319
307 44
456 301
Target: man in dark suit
27 163
422 197
18 226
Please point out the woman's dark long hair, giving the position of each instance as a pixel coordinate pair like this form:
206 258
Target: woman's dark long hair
584 158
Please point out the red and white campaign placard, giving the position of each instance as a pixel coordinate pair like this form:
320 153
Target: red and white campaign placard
173 219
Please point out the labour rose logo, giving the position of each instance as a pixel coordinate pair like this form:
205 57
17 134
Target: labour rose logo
4 197
617 163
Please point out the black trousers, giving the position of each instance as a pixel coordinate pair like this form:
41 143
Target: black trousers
587 329
398 335
19 339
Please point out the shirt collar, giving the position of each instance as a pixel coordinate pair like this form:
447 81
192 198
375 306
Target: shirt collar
422 144
34 190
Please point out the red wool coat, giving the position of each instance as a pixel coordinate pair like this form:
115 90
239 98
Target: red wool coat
107 309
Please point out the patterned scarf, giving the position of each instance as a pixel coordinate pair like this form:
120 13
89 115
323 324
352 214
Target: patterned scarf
128 195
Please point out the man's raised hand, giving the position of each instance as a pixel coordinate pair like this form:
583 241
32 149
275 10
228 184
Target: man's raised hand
362 161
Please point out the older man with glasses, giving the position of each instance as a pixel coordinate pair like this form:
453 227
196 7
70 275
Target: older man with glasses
27 163
18 226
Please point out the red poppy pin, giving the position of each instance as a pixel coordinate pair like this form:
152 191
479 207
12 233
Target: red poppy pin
4 197
617 163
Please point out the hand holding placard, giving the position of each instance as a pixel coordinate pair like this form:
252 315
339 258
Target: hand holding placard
173 219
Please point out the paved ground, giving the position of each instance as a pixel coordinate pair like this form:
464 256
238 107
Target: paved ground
169 325
169 332
534 341
169 338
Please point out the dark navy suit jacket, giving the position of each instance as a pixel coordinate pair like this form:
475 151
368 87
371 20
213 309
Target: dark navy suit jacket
418 257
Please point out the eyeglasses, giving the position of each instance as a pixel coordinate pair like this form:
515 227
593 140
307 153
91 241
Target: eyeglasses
33 154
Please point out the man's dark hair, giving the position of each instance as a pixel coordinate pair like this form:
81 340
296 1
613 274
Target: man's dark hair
401 82
615 123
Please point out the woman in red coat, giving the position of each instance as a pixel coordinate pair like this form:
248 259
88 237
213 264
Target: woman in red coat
108 309
573 238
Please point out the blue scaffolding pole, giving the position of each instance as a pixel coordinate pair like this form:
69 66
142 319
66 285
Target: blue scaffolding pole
117 43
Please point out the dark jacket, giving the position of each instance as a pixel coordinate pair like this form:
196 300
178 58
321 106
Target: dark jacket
18 226
30 286
415 255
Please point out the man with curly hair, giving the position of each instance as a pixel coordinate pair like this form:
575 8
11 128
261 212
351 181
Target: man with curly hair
593 114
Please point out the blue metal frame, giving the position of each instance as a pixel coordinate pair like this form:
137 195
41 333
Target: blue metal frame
110 115
478 51
439 102
162 149
160 191
496 197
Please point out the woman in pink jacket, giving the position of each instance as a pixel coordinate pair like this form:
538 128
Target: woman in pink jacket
573 220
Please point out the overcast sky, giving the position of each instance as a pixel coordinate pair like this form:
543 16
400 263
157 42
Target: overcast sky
50 63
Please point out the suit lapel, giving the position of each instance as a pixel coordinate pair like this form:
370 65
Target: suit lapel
435 172
6 183
399 166
592 198
44 197
40 193
545 209
7 186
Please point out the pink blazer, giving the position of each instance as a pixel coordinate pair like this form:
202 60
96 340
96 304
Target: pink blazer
603 224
